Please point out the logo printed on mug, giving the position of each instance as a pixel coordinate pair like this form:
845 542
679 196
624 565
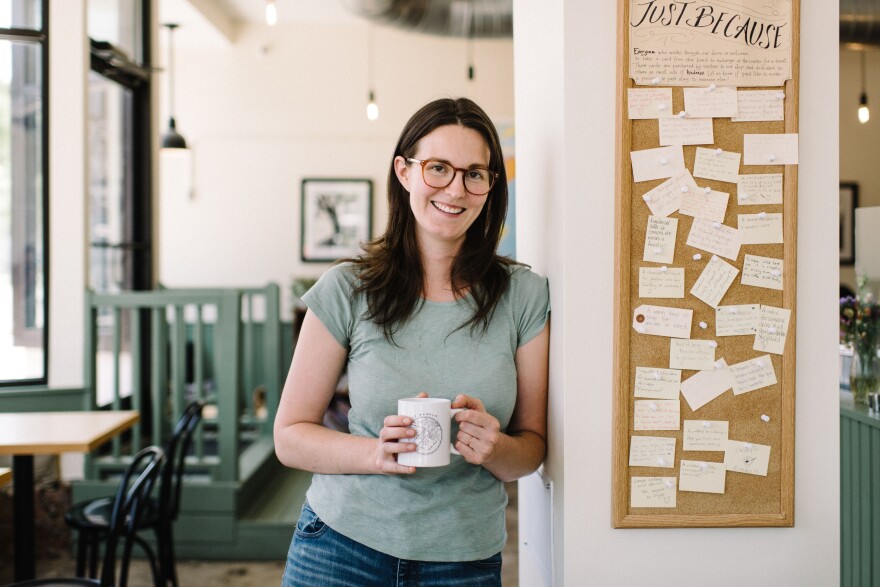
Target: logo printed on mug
432 421
429 433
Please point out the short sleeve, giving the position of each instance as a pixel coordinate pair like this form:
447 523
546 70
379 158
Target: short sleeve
530 295
331 300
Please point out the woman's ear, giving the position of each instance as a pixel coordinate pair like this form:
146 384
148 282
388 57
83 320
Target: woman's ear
401 169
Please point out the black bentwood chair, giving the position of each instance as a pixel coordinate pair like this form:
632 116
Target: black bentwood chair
91 518
126 511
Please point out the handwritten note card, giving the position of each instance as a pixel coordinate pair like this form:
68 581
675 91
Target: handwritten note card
665 199
660 239
772 330
702 476
709 102
657 383
710 164
656 414
753 374
737 320
696 355
758 229
759 106
657 163
652 451
759 188
771 149
708 435
705 386
644 103
714 281
686 131
652 492
663 321
715 237
745 457
661 282
699 204
762 272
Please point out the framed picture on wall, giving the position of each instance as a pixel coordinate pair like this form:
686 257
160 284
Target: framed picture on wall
336 217
849 200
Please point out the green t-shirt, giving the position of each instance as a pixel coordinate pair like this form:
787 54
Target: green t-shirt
452 513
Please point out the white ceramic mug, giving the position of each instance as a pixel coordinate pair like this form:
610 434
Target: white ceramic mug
432 421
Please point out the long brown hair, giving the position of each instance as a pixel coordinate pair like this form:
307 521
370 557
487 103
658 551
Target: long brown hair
390 270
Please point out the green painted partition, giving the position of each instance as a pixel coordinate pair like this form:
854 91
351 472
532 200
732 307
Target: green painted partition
859 494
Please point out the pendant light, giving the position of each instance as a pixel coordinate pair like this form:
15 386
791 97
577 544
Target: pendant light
271 13
864 113
172 139
372 107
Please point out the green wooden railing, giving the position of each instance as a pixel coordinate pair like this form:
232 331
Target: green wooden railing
859 494
200 344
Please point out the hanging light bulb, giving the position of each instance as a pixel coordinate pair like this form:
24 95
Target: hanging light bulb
864 113
171 139
372 107
271 13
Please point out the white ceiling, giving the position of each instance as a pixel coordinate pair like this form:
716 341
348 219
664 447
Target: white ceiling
218 21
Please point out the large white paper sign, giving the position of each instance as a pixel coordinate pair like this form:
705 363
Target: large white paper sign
725 42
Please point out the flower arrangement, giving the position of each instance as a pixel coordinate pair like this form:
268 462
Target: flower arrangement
860 327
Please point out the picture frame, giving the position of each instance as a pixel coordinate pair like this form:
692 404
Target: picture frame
336 216
849 201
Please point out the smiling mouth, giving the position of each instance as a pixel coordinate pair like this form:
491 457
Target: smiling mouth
447 209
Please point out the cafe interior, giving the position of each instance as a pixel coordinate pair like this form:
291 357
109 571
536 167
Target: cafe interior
162 165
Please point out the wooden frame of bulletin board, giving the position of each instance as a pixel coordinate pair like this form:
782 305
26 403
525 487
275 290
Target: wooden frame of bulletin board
757 418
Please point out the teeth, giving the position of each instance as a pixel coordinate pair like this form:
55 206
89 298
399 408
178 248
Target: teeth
447 209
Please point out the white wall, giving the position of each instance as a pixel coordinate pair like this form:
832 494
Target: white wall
566 145
287 103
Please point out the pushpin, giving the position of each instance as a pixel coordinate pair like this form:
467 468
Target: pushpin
734 310
703 325
664 269
658 249
771 330
707 424
771 157
655 80
697 256
719 150
704 466
647 197
712 87
747 445
765 417
776 273
663 161
656 374
707 190
661 461
684 189
653 407
682 114
780 95
762 214
713 344
641 329
669 484
716 224
661 106
743 197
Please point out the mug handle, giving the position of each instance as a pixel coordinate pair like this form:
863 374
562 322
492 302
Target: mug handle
452 414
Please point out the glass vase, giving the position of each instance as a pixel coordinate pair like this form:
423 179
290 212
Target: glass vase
864 374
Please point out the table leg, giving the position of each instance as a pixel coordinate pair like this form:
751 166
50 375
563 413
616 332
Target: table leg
23 516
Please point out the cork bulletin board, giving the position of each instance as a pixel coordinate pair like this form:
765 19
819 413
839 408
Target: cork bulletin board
706 241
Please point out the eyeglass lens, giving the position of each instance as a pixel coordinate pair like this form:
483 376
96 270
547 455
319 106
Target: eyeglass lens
438 174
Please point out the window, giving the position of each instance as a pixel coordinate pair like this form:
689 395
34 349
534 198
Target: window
23 191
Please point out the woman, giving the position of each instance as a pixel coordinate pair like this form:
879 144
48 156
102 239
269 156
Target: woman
429 308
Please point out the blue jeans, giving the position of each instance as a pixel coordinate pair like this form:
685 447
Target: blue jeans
319 555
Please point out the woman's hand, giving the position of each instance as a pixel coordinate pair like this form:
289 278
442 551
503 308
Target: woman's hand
389 446
478 431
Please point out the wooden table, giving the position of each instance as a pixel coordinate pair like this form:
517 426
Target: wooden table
26 434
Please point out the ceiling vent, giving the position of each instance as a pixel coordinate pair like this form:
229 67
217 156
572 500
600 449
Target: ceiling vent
450 18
